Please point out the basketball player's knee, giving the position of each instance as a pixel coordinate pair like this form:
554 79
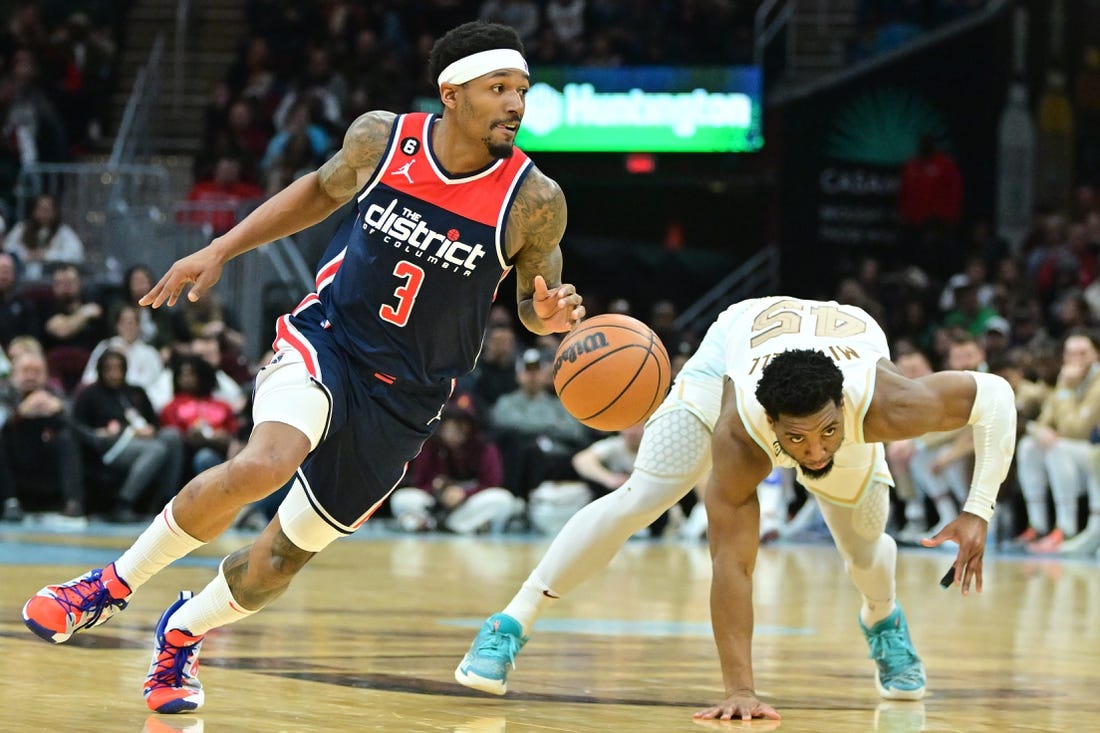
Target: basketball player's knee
645 496
258 472
870 515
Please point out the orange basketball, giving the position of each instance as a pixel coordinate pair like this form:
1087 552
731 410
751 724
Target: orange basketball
611 372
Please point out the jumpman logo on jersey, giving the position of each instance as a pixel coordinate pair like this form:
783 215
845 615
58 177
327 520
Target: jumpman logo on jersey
404 171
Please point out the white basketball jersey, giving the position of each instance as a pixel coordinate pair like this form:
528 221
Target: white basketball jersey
757 330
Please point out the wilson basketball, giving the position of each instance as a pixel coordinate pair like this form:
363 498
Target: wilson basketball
611 372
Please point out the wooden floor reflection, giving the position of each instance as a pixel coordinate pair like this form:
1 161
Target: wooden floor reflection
368 637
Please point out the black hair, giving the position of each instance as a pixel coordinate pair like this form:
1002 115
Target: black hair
106 356
799 382
206 377
469 38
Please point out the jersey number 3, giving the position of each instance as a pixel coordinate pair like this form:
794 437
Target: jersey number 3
405 294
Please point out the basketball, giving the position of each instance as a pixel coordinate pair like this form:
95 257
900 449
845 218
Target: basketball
611 372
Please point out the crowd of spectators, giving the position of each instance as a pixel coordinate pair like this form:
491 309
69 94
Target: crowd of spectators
107 408
57 69
280 113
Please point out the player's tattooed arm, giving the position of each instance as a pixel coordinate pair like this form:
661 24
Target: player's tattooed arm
536 224
342 175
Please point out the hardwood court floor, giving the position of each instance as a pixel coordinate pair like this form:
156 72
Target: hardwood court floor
368 636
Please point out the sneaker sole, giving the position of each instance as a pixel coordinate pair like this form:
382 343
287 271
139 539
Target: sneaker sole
193 701
54 637
477 682
886 694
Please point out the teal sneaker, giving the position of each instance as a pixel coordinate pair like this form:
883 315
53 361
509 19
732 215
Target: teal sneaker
485 666
900 674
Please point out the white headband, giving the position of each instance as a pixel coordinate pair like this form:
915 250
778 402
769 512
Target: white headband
481 63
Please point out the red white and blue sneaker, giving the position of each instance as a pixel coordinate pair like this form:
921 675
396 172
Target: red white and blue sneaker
172 685
58 611
485 667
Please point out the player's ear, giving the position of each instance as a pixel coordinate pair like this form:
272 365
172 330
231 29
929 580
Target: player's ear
448 94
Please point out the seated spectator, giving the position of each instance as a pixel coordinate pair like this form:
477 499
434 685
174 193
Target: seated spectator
495 373
33 128
155 324
73 326
214 203
607 463
300 146
1055 455
209 318
43 452
604 465
662 319
456 479
144 365
969 313
42 239
208 425
536 435
997 337
122 430
226 388
18 313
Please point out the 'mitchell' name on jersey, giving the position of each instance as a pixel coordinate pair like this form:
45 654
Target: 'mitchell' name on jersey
406 285
407 230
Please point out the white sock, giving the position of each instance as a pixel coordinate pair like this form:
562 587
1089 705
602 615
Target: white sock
531 600
162 543
214 606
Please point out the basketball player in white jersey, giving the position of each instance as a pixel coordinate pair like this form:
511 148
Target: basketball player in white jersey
831 434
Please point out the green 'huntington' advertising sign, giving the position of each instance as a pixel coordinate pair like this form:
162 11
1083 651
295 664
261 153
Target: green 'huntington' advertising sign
643 109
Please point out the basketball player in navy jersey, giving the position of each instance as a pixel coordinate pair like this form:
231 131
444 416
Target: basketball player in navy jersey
445 207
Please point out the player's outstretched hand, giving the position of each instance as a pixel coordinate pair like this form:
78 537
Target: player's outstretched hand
969 532
560 309
201 269
741 706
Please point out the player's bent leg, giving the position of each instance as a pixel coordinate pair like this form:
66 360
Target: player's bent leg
673 455
870 557
210 502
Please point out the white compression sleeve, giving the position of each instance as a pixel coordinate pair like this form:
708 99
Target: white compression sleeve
993 417
673 456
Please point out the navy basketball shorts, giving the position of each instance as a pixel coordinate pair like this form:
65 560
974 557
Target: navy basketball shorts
363 432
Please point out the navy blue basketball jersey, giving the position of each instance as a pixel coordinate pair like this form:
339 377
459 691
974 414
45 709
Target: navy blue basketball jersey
408 280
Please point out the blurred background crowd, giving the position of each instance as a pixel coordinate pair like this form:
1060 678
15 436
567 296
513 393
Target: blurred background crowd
107 407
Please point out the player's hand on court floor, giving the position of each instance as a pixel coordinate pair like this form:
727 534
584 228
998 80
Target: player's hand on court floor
969 532
742 706
560 309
